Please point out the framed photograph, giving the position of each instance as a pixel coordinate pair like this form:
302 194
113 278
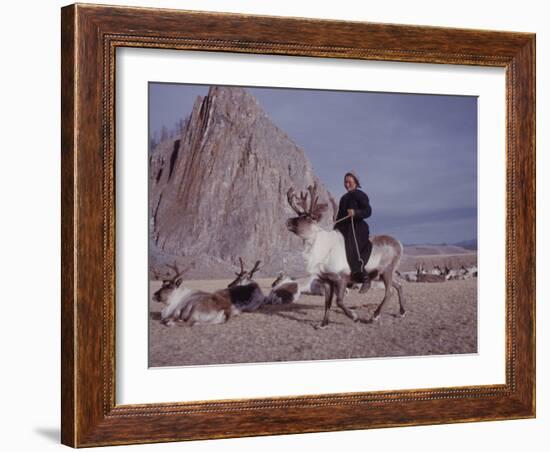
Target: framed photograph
278 225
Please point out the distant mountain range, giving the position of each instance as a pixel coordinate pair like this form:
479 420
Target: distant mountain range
447 248
468 244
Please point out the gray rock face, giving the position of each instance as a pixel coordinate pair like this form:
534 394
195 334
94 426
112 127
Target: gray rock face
218 191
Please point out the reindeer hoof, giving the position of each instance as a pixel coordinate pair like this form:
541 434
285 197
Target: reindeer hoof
322 326
376 317
354 317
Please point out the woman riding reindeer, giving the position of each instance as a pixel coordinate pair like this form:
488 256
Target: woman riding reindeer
353 209
325 256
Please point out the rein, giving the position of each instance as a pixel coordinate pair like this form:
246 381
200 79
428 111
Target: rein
341 219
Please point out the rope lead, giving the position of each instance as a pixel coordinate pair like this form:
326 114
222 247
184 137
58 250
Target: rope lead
354 239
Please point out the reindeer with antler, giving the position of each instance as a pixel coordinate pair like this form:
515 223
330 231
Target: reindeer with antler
169 283
286 289
245 293
244 276
198 307
325 254
189 305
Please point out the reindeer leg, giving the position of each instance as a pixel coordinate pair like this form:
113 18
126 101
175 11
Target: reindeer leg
187 314
329 292
399 289
177 315
387 278
340 291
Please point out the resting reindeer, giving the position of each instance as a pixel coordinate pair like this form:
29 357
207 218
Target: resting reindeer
436 270
288 290
462 273
423 276
469 272
325 254
189 305
194 306
245 293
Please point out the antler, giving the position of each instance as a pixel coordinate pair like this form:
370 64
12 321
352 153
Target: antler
255 269
300 204
334 208
242 267
179 272
315 210
174 267
291 198
303 201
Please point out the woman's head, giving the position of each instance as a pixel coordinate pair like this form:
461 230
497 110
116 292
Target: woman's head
351 182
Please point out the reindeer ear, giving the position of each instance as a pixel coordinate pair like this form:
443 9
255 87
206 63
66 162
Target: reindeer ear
179 281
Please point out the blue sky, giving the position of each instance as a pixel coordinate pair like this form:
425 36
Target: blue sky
415 154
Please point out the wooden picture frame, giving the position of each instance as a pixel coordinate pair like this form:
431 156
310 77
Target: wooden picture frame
90 36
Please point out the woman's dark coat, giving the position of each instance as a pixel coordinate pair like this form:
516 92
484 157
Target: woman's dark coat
359 202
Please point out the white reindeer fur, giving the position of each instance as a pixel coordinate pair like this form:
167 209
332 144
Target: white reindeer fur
177 300
287 284
185 304
325 252
287 279
304 284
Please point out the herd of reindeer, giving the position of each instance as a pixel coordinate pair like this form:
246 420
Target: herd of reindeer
325 264
438 274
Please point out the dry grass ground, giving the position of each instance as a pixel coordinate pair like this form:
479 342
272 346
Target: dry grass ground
441 318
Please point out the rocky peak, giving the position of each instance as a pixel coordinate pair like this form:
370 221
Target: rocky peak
218 191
